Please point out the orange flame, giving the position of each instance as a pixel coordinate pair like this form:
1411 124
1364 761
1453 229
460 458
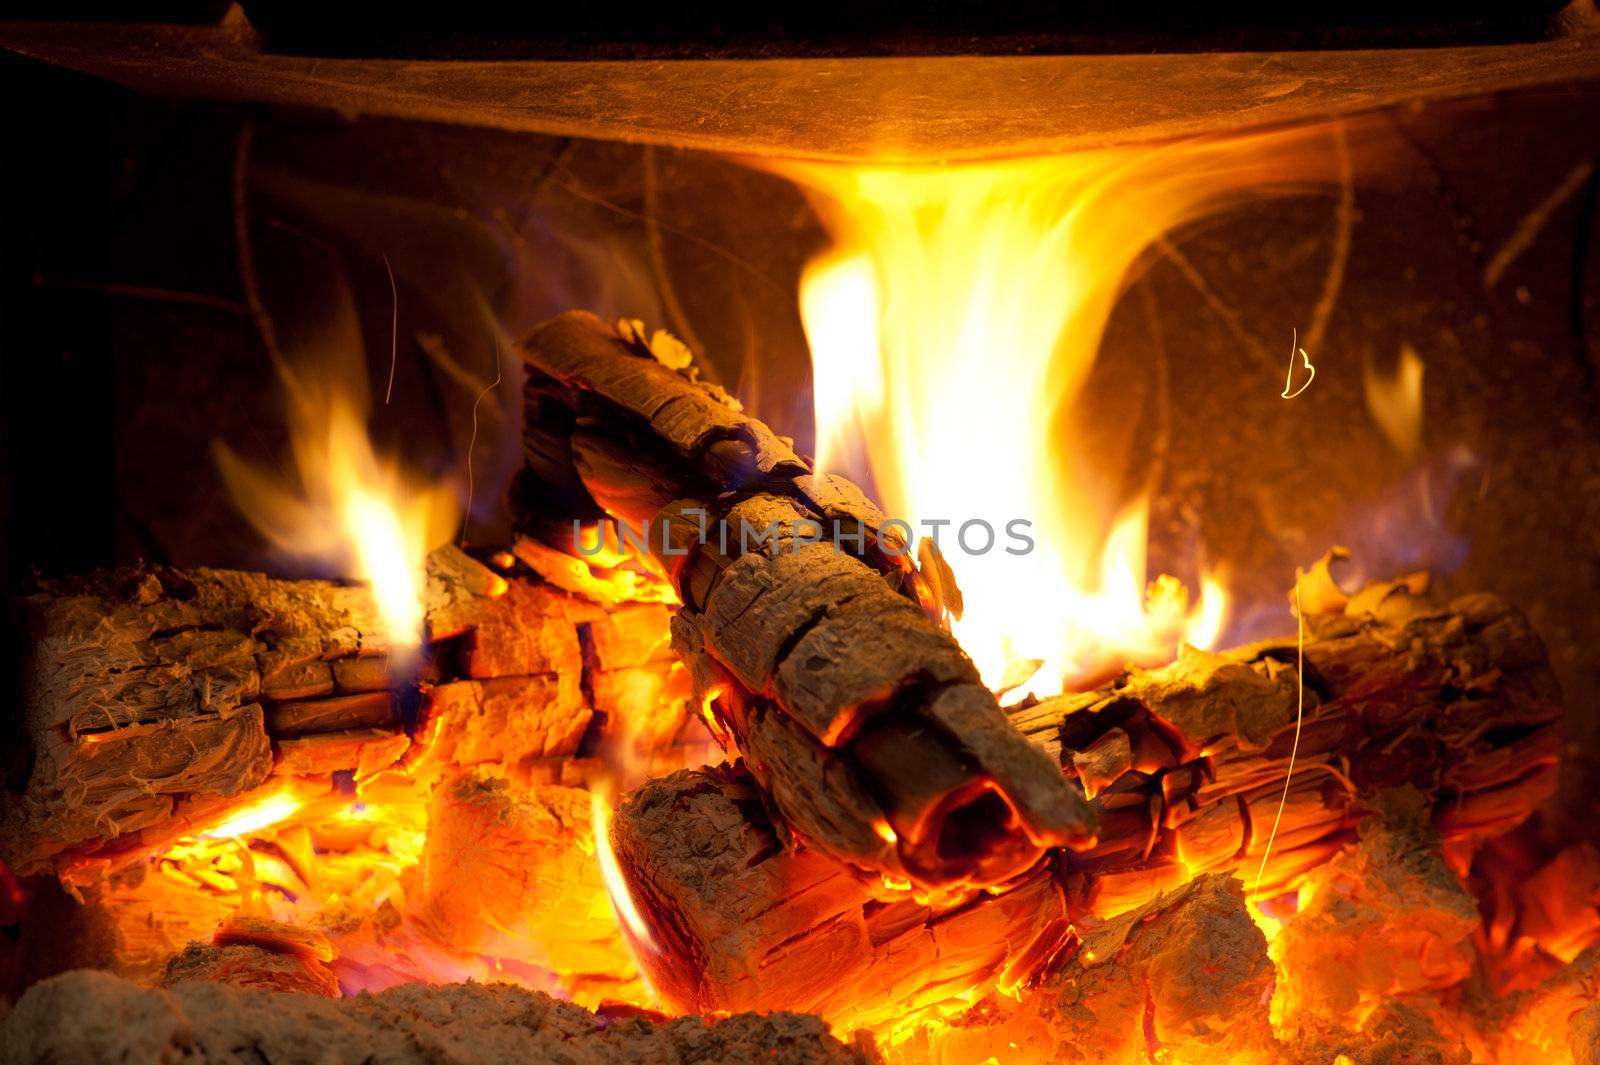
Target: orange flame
953 325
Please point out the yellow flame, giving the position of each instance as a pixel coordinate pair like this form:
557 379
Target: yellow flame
386 558
611 873
953 324
346 506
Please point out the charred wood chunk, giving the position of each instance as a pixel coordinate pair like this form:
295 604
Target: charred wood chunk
862 717
1187 974
1583 1035
1558 1015
334 714
99 786
362 751
500 628
252 952
505 720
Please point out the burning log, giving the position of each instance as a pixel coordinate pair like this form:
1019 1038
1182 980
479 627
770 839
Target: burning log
1186 766
859 715
159 703
144 695
86 1017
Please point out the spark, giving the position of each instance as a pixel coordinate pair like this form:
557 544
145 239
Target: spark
1288 381
1299 718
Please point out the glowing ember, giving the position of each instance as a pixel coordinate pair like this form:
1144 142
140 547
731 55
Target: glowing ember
953 326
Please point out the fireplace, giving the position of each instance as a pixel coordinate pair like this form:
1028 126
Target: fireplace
808 540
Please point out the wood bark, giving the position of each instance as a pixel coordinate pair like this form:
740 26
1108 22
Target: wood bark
1185 765
801 622
158 702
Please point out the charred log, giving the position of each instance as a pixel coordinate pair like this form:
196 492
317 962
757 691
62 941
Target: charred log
862 719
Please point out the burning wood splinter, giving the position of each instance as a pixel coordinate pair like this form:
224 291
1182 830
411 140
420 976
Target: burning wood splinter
864 721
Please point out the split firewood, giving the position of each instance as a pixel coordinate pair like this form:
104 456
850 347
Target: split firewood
861 717
159 702
86 1017
1186 765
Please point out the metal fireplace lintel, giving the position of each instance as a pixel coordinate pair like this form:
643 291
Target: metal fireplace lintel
892 109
